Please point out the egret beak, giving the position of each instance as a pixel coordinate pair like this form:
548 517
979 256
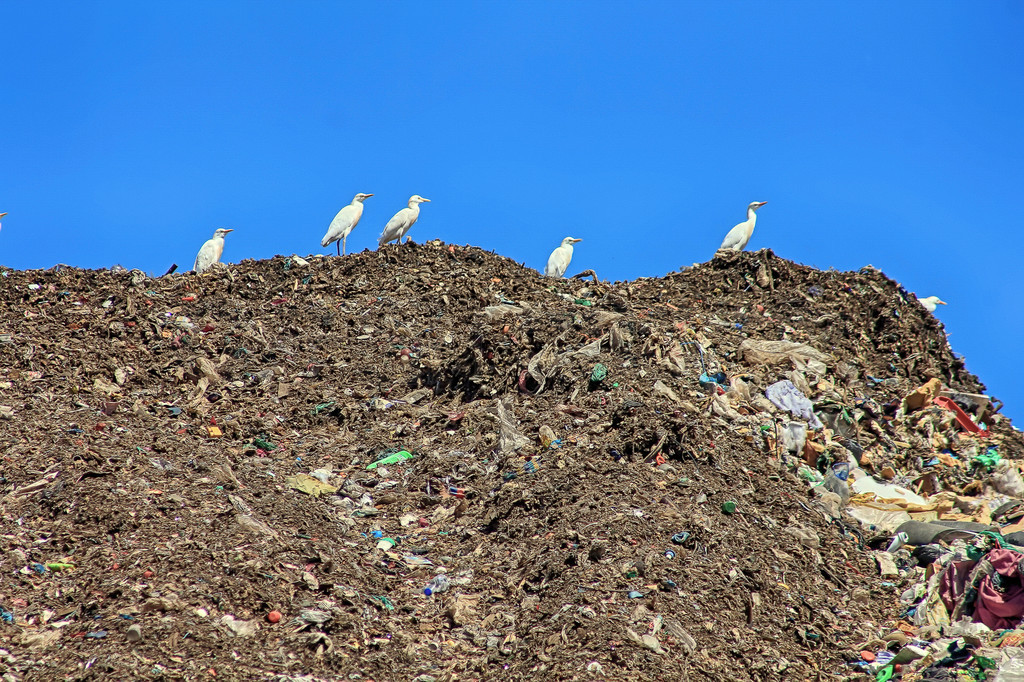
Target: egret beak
761 203
941 302
3 214
367 196
576 240
424 199
231 230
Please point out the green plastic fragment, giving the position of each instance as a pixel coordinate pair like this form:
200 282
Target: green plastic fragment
391 459
984 663
583 301
60 566
600 373
264 444
990 458
809 474
323 406
385 602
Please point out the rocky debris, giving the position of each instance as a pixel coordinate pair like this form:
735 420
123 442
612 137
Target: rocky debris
595 469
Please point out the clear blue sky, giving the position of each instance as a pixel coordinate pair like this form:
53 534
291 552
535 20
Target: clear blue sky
889 133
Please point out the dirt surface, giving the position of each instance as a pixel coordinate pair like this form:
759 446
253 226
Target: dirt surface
154 432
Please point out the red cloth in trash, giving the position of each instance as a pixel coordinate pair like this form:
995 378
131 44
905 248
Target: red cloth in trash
1002 610
953 582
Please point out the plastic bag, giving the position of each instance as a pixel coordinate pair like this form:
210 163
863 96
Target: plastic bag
739 390
1006 479
881 518
774 352
794 435
840 488
1011 670
787 396
863 484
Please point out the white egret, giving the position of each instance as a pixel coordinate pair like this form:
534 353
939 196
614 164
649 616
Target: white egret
738 236
560 258
211 251
401 221
347 218
930 302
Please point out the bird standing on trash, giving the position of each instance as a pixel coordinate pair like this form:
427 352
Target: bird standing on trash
347 218
560 258
738 236
930 302
401 222
211 251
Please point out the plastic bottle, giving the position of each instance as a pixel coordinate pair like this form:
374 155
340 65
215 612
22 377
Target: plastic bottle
438 584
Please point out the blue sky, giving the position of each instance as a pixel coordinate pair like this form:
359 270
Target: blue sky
879 132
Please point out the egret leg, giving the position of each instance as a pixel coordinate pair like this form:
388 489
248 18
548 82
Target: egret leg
339 247
343 244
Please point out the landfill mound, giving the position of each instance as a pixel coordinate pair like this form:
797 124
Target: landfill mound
591 477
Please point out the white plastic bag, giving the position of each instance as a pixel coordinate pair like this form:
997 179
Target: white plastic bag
1006 479
1011 670
794 435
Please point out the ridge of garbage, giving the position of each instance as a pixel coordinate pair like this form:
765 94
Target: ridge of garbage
428 462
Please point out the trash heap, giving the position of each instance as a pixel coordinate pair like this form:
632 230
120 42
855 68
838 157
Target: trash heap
945 519
430 463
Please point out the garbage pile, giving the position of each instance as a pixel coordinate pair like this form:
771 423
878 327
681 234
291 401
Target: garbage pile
951 534
430 463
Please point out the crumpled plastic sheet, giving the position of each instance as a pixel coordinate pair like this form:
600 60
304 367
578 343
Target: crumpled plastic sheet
794 435
787 396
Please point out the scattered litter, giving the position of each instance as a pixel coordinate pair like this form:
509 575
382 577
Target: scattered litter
391 459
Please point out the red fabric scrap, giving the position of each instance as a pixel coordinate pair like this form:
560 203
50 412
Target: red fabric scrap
1002 610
